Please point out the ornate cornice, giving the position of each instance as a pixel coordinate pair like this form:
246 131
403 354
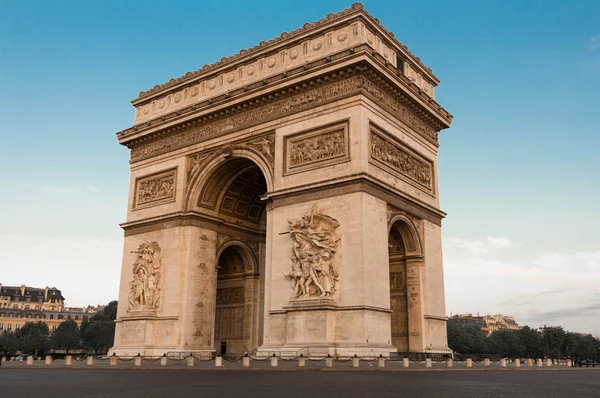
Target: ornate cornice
306 29
357 79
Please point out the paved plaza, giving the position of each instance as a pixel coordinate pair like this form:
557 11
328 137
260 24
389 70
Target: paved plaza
120 382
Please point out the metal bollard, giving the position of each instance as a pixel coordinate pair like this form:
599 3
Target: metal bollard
502 363
138 360
48 360
274 361
90 360
469 363
449 362
218 361
405 362
328 361
381 362
517 363
246 361
301 361
190 360
486 363
29 360
113 360
428 362
355 361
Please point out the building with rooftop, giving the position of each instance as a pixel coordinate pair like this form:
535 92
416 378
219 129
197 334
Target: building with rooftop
22 304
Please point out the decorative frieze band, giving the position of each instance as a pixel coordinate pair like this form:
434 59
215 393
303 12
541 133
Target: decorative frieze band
319 147
271 110
155 189
400 160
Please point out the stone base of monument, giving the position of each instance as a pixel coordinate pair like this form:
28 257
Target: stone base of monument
334 330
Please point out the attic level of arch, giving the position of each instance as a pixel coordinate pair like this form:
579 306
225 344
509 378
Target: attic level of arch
255 104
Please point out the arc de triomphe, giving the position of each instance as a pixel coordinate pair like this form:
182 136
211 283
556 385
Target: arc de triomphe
285 200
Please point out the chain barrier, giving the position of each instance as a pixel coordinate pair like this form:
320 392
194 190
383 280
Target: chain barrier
150 359
258 358
203 360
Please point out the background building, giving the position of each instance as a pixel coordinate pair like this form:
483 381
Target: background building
488 323
22 304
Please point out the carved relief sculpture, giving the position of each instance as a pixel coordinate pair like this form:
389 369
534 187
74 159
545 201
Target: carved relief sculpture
402 161
315 242
145 287
316 148
155 189
265 145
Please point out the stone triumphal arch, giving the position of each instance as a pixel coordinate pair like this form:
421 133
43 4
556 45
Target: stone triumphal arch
285 200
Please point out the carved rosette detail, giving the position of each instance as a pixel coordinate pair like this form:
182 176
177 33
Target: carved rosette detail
146 285
314 270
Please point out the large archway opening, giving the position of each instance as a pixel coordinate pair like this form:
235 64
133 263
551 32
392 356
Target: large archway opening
232 193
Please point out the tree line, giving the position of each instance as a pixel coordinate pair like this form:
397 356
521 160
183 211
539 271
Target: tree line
551 341
94 335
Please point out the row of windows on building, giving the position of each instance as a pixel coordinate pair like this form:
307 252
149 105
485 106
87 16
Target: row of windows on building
18 326
28 300
43 316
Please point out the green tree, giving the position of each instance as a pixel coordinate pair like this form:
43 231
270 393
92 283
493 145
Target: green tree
506 343
66 336
532 342
554 339
8 343
100 334
468 339
33 338
85 323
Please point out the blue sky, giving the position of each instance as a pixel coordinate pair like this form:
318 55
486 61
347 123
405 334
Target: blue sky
518 169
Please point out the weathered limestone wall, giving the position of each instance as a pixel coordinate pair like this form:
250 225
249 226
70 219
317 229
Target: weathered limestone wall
187 296
358 316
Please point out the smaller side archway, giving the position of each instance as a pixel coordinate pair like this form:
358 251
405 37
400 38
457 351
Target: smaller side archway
405 255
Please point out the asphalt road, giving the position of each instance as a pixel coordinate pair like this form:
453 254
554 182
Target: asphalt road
49 383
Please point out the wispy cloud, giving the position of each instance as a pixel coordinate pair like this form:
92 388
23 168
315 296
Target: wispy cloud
491 275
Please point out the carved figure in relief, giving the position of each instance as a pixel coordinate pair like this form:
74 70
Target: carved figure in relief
400 160
145 287
317 148
265 144
195 161
155 189
314 244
